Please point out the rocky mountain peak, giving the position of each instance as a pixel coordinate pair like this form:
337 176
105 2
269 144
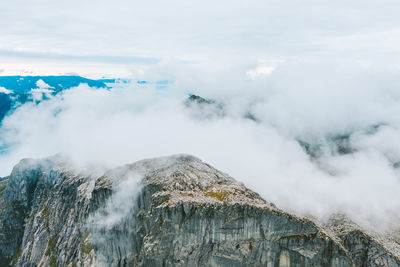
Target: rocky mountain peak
168 211
184 178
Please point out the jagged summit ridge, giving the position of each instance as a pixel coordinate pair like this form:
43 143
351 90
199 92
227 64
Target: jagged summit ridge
185 178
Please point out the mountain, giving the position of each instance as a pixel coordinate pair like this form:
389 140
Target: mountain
17 90
169 211
26 83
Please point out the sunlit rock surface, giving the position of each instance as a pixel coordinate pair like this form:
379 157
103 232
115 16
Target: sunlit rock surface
171 211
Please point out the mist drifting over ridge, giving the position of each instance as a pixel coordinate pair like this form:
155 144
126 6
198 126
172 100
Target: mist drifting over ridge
293 105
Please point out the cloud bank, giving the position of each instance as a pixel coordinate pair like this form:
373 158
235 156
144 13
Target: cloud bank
305 102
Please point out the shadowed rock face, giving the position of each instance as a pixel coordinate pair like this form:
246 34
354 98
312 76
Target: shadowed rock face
171 211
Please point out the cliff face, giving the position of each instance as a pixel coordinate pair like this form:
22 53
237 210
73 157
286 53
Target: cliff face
172 211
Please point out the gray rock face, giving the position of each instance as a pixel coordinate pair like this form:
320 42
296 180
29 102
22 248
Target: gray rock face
365 248
171 211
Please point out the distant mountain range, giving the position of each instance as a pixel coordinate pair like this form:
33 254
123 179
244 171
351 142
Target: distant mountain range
17 90
57 83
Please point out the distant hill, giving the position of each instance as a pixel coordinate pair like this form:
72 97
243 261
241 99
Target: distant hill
26 83
16 90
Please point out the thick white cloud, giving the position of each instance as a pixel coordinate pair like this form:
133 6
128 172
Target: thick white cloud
106 128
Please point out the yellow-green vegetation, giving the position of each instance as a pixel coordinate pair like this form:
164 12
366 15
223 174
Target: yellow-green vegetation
16 256
51 250
46 213
166 200
46 216
86 245
86 234
300 236
53 261
86 248
51 247
3 185
221 196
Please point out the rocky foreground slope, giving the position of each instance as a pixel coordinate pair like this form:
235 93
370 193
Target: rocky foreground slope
171 211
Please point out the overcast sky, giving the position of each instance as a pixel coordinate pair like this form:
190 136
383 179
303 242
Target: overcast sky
110 37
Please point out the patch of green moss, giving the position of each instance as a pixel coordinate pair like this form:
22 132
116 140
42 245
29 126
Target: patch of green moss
86 248
85 235
16 256
51 250
46 216
300 236
51 247
46 213
3 185
53 261
86 245
221 196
